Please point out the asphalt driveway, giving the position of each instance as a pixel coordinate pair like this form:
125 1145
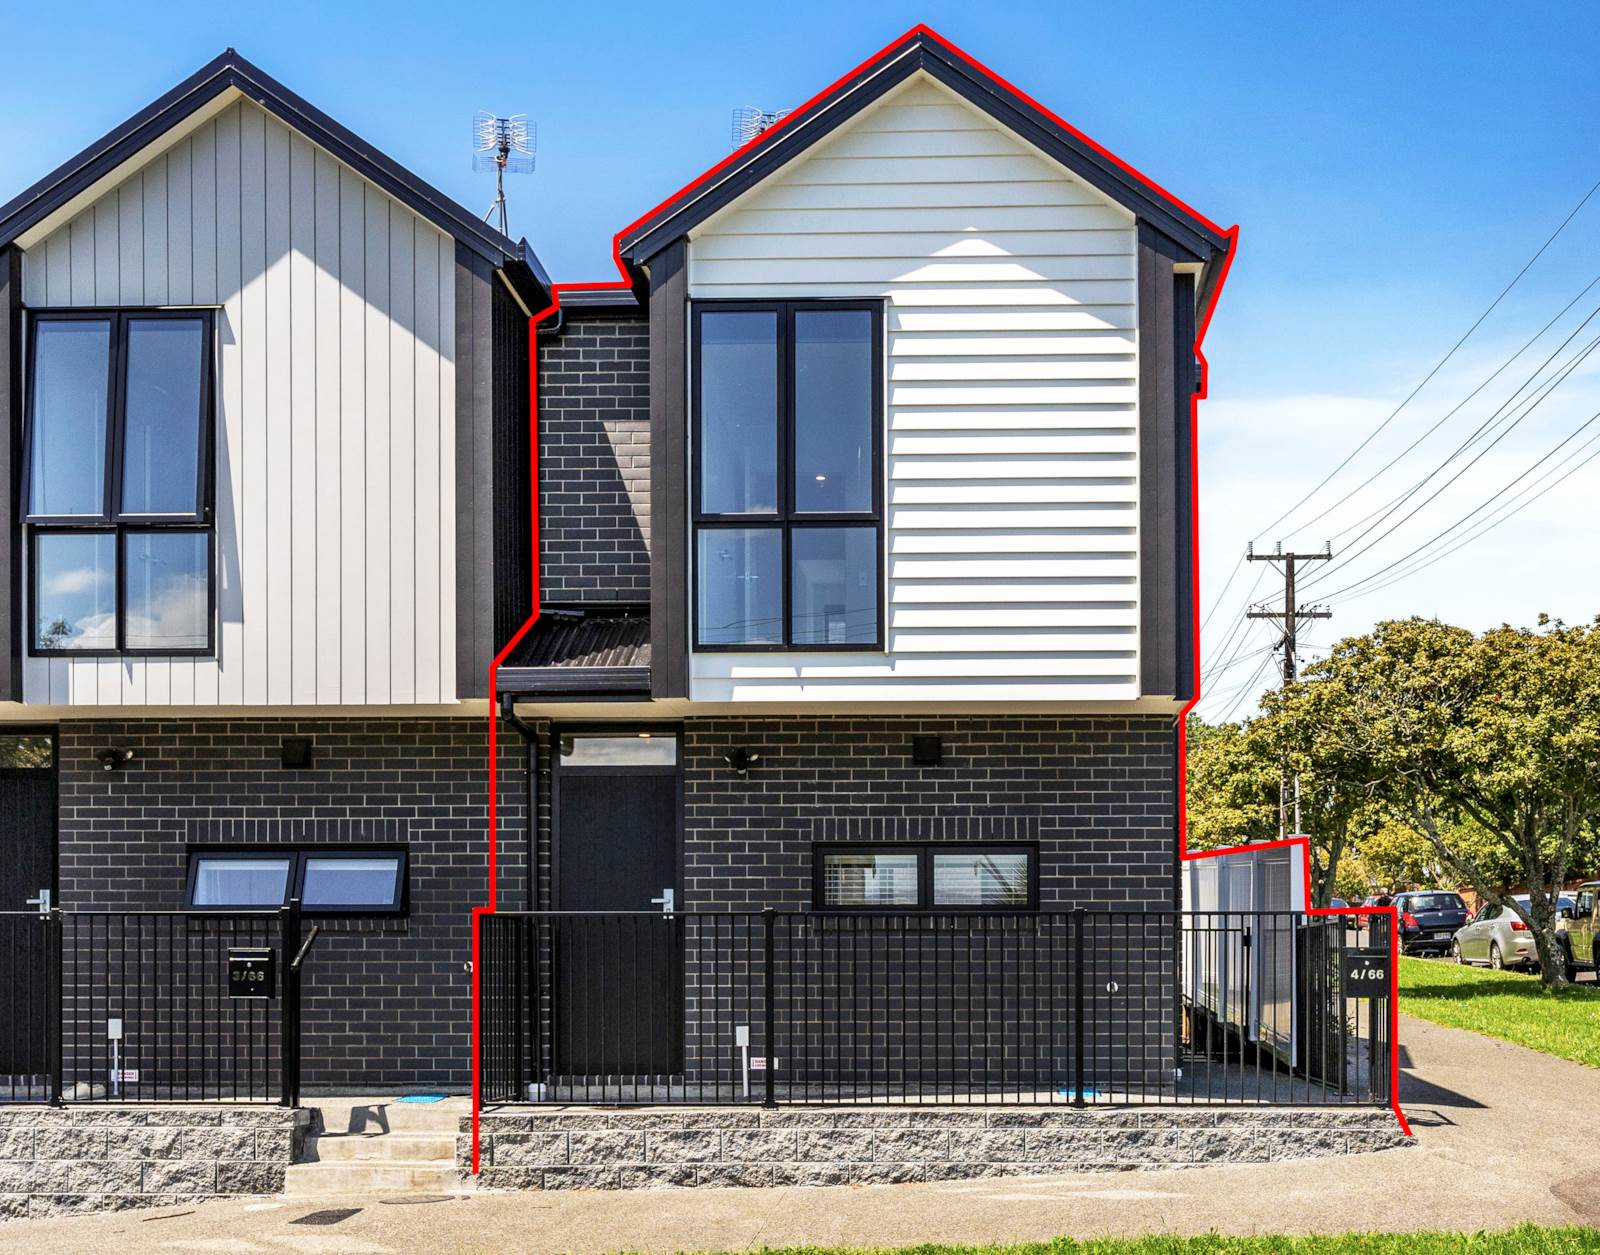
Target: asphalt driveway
1504 1135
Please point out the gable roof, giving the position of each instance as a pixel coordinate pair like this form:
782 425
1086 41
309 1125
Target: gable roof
921 49
231 73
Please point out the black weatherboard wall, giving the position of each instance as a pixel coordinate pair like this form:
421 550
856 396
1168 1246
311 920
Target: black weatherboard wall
494 546
387 1000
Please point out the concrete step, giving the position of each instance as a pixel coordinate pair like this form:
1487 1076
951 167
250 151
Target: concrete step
311 1180
405 1147
384 1115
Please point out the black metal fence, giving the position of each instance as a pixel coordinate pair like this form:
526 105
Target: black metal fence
1074 1007
136 1007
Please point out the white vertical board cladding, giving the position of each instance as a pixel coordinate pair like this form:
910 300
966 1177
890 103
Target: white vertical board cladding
335 416
1011 403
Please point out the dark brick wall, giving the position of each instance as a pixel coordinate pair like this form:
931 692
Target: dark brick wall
594 461
1098 794
865 1001
387 1001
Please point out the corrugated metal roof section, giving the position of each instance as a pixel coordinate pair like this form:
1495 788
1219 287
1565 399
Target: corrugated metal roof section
615 636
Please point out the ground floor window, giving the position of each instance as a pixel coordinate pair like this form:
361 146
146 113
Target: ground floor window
327 881
898 876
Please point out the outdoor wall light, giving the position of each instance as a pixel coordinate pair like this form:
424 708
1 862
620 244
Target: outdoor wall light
741 759
927 750
294 751
113 759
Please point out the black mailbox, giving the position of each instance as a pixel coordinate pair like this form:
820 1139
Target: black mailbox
1366 974
250 973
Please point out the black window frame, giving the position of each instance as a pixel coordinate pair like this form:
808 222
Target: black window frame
925 851
786 519
112 520
294 883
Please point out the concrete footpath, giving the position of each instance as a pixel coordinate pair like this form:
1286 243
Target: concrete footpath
1504 1135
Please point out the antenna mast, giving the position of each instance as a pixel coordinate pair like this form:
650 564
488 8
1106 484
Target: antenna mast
501 144
748 122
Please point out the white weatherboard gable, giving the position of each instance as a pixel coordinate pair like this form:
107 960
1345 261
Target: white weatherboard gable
335 458
1011 403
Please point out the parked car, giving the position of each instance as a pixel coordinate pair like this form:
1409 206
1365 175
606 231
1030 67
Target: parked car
1580 926
1564 902
1429 919
1496 936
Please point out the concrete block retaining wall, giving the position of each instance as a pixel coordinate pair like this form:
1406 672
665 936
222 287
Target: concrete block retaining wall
65 1161
571 1149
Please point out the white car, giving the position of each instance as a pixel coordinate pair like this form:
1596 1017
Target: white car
1497 937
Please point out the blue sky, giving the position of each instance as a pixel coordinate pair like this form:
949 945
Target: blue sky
1391 168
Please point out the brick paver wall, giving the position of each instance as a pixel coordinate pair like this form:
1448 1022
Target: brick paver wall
1097 796
594 461
387 1000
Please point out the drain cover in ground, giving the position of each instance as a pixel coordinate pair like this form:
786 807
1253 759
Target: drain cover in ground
407 1199
332 1215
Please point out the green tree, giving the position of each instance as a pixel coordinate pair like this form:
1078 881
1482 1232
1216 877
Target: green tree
1500 730
1396 856
1336 792
1231 794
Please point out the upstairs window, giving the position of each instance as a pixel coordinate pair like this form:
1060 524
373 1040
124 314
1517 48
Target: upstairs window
788 498
118 482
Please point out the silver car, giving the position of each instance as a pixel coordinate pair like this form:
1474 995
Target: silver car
1497 937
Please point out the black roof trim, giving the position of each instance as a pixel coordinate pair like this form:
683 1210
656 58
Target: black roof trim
574 682
528 279
609 300
231 70
919 50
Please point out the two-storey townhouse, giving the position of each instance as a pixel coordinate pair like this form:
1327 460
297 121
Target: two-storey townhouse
263 523
867 592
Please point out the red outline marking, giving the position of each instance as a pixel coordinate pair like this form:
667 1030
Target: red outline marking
1184 854
625 283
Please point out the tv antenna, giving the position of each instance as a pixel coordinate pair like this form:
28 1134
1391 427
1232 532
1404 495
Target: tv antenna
748 122
501 144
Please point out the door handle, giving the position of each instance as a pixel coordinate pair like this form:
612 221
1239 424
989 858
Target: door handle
664 901
42 902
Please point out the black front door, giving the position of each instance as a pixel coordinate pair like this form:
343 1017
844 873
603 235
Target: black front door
27 871
619 977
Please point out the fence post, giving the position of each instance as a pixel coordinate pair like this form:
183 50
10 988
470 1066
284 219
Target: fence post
769 922
1077 1007
289 1028
54 966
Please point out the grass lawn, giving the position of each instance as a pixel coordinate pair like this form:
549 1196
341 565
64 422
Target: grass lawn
1527 1240
1507 1005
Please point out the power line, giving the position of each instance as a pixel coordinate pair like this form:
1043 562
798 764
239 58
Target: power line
1571 436
1439 365
1227 584
1505 430
1229 638
1246 687
1496 416
1446 416
1490 524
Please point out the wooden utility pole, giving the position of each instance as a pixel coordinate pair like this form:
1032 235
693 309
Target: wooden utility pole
1292 614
